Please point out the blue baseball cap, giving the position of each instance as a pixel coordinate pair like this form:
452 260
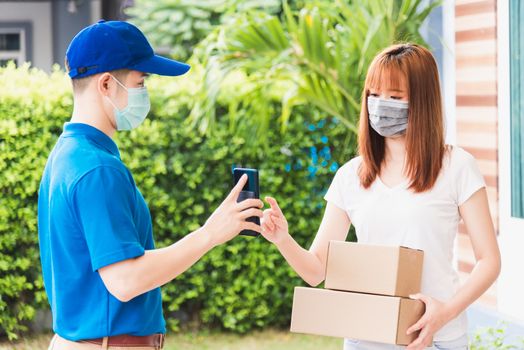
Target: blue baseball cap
112 45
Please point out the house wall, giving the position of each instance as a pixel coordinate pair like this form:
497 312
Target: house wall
477 108
66 25
39 14
52 26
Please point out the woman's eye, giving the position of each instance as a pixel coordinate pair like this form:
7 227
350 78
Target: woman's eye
396 97
373 94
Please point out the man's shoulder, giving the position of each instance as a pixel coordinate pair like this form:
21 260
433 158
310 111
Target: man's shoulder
75 158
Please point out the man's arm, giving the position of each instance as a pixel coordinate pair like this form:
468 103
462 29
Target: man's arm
132 277
129 278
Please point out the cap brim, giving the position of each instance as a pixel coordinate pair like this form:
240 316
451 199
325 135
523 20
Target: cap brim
161 66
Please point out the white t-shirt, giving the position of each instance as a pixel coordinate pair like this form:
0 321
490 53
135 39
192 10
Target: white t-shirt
428 221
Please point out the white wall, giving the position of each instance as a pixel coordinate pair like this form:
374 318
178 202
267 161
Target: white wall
511 237
39 13
449 80
96 10
441 37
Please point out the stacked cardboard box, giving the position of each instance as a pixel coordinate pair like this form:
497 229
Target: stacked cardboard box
366 296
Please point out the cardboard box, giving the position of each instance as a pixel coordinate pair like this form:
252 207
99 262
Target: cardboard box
385 270
368 317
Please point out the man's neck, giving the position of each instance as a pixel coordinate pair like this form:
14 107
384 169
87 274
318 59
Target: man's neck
88 111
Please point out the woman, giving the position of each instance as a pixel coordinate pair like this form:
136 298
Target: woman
405 188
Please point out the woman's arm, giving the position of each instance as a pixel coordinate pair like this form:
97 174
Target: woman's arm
309 264
477 218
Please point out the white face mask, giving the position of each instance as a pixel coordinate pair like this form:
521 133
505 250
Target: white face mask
138 106
388 117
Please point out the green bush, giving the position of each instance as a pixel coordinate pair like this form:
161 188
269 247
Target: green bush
242 285
491 338
33 107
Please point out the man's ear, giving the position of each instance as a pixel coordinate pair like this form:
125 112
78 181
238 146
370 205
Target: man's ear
104 83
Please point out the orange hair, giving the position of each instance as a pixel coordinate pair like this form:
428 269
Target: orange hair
425 147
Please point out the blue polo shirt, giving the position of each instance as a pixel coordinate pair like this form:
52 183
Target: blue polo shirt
90 215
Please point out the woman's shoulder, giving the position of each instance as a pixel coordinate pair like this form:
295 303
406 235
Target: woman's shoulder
458 155
349 170
459 159
351 166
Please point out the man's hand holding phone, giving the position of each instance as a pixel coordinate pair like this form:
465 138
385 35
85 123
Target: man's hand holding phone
229 219
251 189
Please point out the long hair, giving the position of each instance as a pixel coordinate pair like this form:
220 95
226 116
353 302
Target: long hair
416 66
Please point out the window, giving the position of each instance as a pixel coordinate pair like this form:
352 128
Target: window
12 46
516 71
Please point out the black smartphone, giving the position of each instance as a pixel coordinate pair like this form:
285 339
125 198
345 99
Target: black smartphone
251 190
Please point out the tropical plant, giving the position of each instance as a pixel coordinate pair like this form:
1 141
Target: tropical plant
178 25
317 56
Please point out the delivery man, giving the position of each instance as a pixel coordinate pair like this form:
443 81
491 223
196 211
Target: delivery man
101 270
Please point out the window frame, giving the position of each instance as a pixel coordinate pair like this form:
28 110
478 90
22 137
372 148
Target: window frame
19 55
516 112
511 229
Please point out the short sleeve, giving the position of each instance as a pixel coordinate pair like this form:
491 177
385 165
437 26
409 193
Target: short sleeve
335 190
469 180
104 200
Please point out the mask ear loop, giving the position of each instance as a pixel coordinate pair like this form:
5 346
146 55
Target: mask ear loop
118 81
122 85
112 103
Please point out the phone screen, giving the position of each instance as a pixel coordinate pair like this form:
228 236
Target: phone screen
252 182
250 190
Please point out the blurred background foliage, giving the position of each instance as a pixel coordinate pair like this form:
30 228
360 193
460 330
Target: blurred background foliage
184 175
273 85
177 26
314 53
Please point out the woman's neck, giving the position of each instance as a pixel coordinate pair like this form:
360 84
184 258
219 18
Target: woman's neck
395 150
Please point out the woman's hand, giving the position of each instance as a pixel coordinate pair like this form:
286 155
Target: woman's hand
274 223
435 317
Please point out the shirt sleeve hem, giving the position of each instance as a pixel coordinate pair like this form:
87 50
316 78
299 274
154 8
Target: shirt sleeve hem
336 203
470 193
130 252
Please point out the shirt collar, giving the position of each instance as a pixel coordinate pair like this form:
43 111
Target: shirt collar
94 134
